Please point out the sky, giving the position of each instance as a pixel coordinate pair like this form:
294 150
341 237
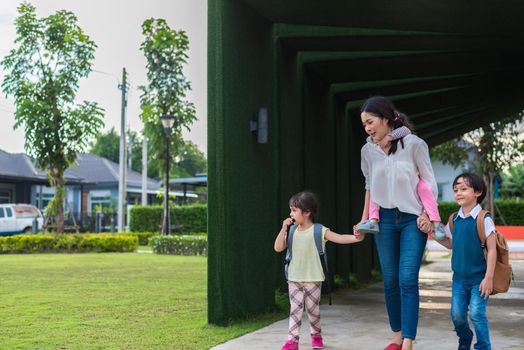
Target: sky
115 26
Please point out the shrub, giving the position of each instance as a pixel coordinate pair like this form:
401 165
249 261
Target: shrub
511 211
193 218
143 237
68 243
180 245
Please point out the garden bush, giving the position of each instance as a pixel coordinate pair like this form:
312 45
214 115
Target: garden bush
67 243
180 244
143 237
193 218
512 211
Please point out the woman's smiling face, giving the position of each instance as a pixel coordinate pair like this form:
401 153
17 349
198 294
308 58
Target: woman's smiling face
375 127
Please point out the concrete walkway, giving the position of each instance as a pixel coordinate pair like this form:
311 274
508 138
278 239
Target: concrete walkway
357 319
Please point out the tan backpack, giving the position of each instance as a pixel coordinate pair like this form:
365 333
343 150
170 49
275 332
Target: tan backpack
503 272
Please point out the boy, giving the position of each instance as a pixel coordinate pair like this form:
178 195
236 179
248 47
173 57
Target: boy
472 272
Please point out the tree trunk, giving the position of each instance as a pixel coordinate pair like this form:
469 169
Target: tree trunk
58 180
489 194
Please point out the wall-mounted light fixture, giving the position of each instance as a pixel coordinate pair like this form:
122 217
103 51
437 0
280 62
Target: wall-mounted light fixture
259 126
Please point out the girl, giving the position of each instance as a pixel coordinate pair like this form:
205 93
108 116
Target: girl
423 190
305 274
392 172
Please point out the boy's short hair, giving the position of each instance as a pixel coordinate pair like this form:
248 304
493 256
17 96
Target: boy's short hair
474 181
305 201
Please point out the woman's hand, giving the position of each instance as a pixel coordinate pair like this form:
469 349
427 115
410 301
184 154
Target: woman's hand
424 224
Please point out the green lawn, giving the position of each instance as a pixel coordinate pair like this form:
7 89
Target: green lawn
108 301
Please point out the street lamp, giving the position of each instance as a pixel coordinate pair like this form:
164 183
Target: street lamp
167 122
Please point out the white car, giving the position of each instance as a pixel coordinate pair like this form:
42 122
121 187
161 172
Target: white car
18 218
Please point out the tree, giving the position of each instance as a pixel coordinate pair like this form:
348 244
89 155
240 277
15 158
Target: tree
189 162
43 71
453 152
107 145
497 146
513 181
165 50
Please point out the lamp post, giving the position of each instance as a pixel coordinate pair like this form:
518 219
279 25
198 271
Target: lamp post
167 122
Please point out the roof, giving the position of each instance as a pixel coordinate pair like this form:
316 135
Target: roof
99 170
199 180
88 169
18 166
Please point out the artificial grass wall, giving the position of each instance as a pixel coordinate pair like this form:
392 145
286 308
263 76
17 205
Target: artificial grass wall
310 147
243 177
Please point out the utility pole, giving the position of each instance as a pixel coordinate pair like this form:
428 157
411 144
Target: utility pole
144 170
122 157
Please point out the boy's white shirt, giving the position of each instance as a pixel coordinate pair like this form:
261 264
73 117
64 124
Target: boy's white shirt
489 225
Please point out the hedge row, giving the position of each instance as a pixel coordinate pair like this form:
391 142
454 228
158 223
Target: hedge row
180 245
193 218
67 243
512 211
143 237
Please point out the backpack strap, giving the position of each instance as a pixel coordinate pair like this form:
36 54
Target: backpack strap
480 227
317 232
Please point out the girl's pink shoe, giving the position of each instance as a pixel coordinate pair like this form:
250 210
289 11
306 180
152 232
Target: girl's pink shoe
393 346
290 345
316 341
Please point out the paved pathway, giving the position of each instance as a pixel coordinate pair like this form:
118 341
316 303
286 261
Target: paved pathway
357 319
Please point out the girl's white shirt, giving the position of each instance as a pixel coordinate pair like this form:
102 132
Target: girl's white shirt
392 179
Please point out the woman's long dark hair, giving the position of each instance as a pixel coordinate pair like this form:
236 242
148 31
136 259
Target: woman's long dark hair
383 108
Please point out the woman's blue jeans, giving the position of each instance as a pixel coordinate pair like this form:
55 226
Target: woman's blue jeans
463 296
400 246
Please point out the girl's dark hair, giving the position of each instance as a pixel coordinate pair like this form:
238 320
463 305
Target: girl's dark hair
305 201
475 182
381 107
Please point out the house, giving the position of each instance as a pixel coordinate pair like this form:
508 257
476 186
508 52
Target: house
22 182
446 173
91 182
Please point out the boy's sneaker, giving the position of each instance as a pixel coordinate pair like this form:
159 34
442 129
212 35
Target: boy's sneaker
316 341
368 226
290 345
440 232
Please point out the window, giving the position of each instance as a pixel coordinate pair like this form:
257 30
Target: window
46 198
9 212
2 215
98 201
5 196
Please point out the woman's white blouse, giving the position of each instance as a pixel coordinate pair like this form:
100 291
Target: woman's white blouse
392 180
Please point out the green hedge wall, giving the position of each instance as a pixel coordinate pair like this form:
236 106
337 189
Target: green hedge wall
193 218
180 245
67 243
512 211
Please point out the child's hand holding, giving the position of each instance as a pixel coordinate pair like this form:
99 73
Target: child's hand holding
486 287
358 235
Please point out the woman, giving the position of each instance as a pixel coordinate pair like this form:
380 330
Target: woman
392 171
